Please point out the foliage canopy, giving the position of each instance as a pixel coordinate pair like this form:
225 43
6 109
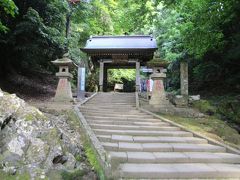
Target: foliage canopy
204 32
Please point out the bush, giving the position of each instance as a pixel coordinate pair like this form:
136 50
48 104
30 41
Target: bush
229 109
76 175
128 85
205 107
92 82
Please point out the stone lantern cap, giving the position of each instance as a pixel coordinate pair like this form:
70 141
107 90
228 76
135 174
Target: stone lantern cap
65 61
158 76
157 62
64 65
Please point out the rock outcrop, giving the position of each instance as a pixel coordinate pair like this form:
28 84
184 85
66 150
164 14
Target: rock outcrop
33 142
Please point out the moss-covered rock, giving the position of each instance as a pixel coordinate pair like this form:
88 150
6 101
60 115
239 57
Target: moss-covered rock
31 141
37 151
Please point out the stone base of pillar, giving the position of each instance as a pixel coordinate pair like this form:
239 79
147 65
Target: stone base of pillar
81 95
137 88
158 98
101 88
180 100
159 101
64 92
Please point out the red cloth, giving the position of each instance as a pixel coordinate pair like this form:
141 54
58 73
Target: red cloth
74 1
148 85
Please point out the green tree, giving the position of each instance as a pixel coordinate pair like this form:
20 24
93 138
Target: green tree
7 8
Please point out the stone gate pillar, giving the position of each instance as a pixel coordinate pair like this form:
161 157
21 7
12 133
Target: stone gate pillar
184 78
182 100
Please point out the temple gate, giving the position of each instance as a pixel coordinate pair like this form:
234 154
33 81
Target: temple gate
119 52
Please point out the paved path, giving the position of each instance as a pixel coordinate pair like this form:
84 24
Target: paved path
144 147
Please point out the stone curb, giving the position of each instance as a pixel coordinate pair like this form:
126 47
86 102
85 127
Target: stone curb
211 141
86 100
95 143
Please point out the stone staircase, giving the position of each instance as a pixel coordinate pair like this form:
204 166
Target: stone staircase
140 146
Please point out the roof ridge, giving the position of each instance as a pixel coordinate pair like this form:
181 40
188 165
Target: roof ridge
122 36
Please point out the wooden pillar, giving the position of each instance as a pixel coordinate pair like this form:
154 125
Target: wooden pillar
137 76
105 78
101 74
184 78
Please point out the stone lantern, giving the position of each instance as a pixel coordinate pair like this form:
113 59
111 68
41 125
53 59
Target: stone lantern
63 92
158 97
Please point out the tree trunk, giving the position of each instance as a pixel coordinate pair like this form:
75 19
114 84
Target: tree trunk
68 21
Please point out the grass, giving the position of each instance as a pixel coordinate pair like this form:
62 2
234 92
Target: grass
205 107
211 127
226 108
6 176
93 159
76 175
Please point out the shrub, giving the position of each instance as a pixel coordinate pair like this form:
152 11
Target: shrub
204 106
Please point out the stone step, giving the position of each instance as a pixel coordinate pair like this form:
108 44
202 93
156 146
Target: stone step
150 139
139 119
111 108
117 99
112 114
113 95
125 121
129 127
114 101
109 100
172 157
106 99
162 147
104 111
179 171
113 98
117 94
126 101
128 122
122 99
109 105
140 146
143 133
